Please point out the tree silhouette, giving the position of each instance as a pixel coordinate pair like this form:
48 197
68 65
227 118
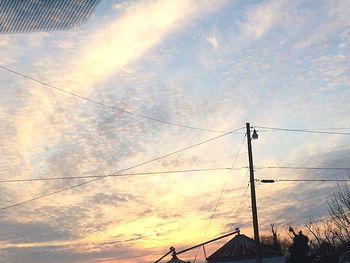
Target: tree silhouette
299 249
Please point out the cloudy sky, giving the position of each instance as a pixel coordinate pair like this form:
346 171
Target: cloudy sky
202 68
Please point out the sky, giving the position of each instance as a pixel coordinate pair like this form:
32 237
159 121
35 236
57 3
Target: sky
203 68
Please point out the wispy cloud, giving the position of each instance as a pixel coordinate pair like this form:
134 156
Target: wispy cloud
336 19
213 40
262 18
138 29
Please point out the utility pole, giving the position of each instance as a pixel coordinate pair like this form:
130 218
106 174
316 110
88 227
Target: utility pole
253 197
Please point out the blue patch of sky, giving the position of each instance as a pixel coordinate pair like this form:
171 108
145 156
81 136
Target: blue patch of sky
190 46
105 11
13 95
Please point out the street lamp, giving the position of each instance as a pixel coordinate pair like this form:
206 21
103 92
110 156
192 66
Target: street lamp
255 135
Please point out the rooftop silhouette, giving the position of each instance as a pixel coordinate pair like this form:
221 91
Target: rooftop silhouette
241 247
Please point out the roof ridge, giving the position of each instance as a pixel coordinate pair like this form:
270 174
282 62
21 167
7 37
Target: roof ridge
241 246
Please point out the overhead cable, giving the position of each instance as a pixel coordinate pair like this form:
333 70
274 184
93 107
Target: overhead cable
220 196
269 181
118 172
118 175
301 130
107 105
303 168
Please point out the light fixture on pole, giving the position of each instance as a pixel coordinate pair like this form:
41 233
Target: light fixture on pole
255 135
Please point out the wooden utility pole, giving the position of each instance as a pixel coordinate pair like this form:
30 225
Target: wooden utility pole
253 197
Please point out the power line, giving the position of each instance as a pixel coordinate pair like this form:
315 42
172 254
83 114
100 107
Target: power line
269 181
302 130
118 172
303 168
117 175
106 105
233 217
242 199
327 129
222 190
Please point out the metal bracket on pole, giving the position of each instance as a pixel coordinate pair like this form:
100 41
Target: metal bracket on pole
199 245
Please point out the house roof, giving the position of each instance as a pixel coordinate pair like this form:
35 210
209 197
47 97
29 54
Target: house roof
240 247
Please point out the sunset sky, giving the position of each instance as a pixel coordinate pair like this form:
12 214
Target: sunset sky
203 68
